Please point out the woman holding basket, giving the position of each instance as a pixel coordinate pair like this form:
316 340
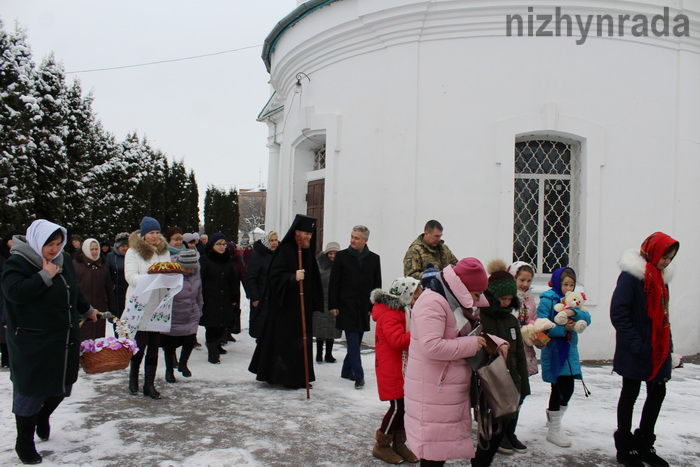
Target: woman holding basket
44 308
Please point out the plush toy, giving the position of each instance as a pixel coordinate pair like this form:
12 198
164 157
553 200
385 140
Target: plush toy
533 332
565 310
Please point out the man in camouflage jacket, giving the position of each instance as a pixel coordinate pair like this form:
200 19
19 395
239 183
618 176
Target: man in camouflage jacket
427 248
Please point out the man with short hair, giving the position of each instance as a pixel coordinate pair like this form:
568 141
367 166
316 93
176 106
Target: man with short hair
427 248
355 273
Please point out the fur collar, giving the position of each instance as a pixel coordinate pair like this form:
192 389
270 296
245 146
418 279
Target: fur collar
385 298
633 263
146 250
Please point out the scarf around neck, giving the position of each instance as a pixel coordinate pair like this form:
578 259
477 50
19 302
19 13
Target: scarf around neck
653 249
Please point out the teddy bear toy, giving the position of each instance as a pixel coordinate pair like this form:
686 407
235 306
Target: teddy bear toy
565 310
534 332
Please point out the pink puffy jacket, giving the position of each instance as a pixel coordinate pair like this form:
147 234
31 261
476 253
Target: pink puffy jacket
438 419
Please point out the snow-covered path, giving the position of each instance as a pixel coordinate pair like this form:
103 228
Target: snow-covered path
223 417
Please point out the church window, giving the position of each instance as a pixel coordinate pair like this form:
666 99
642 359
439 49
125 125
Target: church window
545 200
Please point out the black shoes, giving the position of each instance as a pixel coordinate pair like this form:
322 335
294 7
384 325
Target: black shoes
645 447
329 359
359 383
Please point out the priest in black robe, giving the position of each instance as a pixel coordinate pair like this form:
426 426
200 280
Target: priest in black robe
279 354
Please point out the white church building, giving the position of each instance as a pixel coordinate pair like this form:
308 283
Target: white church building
558 133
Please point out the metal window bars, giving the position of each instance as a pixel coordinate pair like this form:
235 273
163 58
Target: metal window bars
545 209
320 158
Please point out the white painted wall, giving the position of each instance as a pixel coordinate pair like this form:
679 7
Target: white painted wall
421 102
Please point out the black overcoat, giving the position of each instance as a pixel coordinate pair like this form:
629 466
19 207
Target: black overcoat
42 326
279 355
349 289
221 289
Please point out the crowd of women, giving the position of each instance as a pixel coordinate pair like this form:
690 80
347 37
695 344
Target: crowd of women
426 333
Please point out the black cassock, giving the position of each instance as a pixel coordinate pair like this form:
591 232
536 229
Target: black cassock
279 354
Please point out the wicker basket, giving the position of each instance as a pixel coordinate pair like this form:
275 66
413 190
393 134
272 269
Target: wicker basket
106 360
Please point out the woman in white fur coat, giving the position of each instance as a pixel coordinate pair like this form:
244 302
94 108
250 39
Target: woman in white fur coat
146 246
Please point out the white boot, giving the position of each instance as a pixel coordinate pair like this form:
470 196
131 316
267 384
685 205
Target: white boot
556 435
562 409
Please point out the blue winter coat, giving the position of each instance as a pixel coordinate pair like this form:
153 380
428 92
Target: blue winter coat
572 365
628 314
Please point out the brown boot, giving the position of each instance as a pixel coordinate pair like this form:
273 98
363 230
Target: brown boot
401 449
382 449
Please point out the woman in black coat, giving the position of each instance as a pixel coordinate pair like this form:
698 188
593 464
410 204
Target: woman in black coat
4 256
44 307
257 270
643 345
221 292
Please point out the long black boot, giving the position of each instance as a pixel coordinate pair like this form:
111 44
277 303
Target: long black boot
626 446
647 453
169 354
329 351
134 375
184 358
24 446
43 428
149 389
220 345
213 349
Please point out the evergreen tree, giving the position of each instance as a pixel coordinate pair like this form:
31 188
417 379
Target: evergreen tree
221 212
51 130
192 203
18 111
176 187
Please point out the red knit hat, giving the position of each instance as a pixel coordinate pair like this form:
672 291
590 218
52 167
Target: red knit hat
472 274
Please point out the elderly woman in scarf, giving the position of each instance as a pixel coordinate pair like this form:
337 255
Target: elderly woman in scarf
44 307
639 311
95 282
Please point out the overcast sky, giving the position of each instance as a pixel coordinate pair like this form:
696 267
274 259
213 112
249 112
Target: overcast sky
203 110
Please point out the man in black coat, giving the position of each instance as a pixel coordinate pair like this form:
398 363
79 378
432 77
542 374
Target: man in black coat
355 273
279 354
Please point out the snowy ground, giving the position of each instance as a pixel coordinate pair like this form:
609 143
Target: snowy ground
223 417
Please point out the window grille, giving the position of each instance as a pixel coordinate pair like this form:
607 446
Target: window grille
545 216
320 158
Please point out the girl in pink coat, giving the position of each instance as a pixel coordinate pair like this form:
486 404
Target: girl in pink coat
391 344
438 377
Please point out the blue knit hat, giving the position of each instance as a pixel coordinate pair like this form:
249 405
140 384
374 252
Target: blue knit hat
216 237
149 224
430 272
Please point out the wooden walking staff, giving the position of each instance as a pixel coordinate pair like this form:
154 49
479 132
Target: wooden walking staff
303 328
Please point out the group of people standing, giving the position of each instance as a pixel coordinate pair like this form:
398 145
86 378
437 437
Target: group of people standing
426 328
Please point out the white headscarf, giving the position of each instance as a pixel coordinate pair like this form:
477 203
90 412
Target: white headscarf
404 288
39 232
86 249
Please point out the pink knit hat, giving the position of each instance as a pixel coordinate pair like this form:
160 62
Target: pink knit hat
472 274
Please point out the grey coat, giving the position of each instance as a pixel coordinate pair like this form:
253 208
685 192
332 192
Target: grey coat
324 321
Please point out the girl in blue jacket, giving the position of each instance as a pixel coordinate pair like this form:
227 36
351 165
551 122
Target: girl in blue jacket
560 359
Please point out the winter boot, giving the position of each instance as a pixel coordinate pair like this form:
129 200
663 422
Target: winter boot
647 453
382 449
43 428
319 350
401 449
184 358
506 447
556 435
329 352
510 437
220 345
627 454
213 348
149 390
24 446
134 377
169 354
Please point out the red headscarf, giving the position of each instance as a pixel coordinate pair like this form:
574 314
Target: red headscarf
653 249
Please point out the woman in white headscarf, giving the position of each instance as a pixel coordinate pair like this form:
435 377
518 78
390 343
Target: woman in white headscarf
95 282
44 307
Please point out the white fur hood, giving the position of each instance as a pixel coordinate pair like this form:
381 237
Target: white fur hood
633 263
